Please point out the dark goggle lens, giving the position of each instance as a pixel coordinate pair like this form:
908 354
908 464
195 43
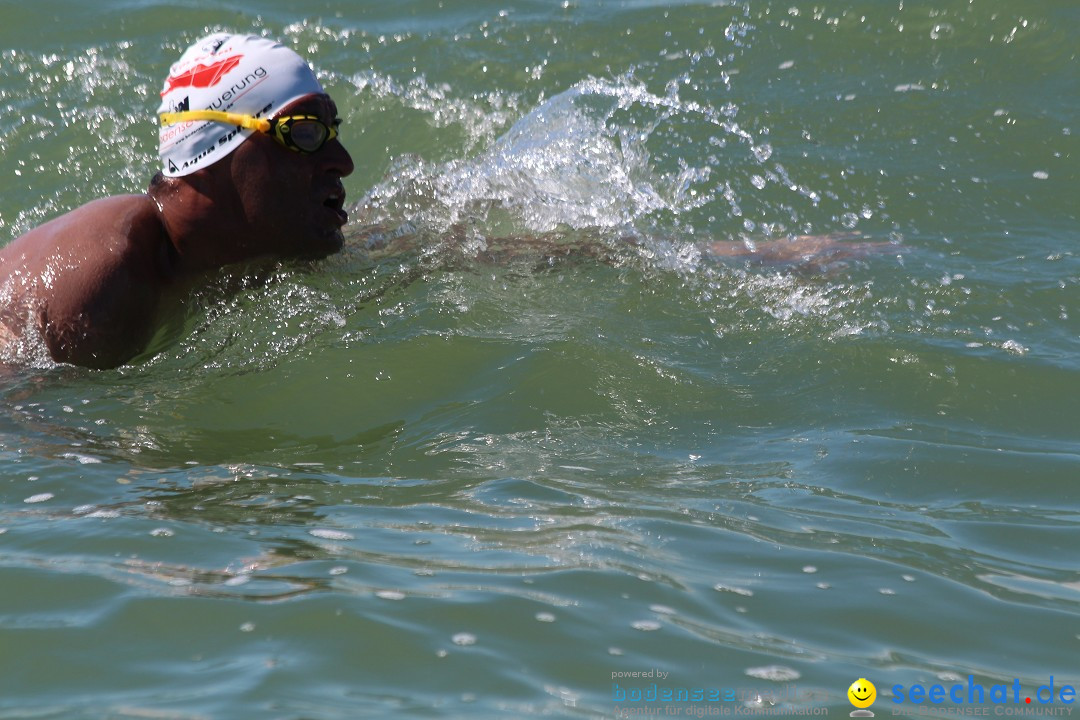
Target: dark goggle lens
309 135
305 134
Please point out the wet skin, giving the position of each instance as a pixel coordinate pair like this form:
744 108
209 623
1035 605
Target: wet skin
91 282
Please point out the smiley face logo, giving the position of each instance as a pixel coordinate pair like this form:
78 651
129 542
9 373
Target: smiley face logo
862 693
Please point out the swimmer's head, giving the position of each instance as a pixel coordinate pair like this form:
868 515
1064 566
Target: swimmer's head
243 74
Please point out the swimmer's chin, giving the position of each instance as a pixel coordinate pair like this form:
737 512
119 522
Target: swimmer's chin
336 242
323 246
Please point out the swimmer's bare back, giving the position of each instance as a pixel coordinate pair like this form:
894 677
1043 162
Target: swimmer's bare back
88 282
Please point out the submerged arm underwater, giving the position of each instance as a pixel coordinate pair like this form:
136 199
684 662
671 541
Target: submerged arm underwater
819 252
95 333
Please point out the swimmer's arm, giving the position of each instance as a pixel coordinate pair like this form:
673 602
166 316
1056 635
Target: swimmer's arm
99 305
380 242
799 249
100 320
802 249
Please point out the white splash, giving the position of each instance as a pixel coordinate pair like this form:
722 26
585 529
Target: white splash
578 160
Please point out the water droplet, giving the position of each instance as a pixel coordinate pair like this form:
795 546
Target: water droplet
327 534
1040 175
719 587
809 569
81 459
40 497
1013 347
545 617
161 532
759 702
662 609
778 673
941 30
247 627
339 570
390 595
645 625
887 591
464 639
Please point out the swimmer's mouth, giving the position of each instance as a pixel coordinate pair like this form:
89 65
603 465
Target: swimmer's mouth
335 201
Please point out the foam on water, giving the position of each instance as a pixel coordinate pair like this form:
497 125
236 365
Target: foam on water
480 117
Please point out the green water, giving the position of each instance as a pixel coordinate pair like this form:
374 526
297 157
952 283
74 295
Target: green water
429 486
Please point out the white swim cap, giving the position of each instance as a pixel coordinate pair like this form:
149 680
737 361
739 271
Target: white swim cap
243 74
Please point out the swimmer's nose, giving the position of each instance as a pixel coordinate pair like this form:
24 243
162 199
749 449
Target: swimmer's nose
336 158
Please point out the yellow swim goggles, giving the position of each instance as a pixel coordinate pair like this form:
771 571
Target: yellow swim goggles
300 133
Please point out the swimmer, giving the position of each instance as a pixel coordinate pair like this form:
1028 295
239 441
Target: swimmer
251 168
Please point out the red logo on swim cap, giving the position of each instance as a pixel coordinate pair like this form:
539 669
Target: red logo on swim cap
202 76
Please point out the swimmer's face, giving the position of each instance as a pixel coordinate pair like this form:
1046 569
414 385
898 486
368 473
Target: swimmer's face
862 693
293 202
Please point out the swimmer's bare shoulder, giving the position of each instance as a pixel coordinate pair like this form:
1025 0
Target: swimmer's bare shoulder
89 281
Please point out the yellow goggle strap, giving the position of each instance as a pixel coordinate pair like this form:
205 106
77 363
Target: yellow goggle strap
247 122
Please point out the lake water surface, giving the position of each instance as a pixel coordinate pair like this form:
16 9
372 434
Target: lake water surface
430 486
